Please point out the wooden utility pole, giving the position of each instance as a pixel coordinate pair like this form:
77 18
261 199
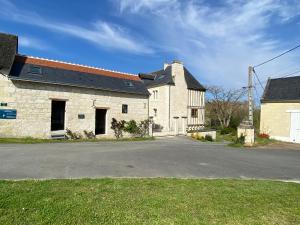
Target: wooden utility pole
250 94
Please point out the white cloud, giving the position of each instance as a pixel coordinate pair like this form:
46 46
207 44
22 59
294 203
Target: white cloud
100 33
33 43
219 42
138 5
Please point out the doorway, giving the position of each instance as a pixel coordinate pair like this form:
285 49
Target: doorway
100 121
295 127
58 115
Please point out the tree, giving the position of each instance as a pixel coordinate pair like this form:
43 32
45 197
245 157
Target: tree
222 103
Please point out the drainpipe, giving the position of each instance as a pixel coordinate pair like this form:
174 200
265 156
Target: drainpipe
169 107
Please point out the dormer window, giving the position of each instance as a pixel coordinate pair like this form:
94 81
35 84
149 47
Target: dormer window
35 70
128 83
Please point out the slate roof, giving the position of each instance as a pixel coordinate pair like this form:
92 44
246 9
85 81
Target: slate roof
164 77
160 77
8 50
282 90
53 72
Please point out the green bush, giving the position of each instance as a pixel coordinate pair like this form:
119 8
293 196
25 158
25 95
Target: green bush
240 140
144 128
131 127
228 130
118 127
208 137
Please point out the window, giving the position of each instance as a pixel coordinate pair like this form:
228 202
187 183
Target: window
155 94
128 83
124 108
194 113
35 70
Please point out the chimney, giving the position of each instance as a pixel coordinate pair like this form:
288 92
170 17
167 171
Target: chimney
177 69
8 50
177 61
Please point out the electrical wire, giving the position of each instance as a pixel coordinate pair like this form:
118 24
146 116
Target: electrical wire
276 57
258 79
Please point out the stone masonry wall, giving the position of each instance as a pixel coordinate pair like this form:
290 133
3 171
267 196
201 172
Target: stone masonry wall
275 120
33 104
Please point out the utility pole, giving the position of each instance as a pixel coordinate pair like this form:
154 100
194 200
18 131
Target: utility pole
250 94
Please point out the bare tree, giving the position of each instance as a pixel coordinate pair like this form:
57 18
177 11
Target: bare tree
224 103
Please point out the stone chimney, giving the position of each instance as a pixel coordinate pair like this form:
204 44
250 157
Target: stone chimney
8 50
177 68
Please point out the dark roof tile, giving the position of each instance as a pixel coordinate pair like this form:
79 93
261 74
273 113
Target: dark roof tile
77 76
282 89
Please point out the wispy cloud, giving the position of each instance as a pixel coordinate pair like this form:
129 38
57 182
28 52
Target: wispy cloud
100 33
218 41
33 43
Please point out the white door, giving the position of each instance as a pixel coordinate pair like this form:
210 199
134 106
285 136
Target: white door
295 127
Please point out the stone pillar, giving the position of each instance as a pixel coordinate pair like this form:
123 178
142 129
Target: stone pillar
151 126
176 128
247 130
184 124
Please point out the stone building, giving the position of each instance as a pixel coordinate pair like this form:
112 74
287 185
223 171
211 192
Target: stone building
177 100
42 98
280 109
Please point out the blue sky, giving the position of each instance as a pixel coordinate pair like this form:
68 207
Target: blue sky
216 40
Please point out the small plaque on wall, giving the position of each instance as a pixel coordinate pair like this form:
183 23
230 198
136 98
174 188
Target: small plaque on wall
81 116
8 114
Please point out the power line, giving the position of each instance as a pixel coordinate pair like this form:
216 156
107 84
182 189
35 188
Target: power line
269 60
290 74
258 79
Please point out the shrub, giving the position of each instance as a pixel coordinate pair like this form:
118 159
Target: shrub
208 137
72 135
263 135
228 130
144 128
118 127
89 134
131 127
240 140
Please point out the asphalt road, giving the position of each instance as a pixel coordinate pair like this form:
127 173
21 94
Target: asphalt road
171 157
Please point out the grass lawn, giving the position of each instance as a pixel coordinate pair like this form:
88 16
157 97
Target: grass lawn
39 141
149 201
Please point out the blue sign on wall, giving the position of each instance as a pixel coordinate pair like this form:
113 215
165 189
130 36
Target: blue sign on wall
8 114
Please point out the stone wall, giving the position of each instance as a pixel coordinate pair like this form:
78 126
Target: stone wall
276 120
33 104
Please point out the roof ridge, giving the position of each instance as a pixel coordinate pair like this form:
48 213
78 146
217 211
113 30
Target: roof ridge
277 78
75 64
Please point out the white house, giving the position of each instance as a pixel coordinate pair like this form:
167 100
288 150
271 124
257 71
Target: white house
41 98
177 100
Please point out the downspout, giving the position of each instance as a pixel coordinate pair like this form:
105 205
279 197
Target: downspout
169 107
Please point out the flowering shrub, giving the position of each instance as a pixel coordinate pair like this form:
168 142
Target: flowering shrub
263 135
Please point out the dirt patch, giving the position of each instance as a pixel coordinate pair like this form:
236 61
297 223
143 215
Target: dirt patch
281 145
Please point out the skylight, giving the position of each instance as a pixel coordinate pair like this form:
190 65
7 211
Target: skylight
35 70
128 83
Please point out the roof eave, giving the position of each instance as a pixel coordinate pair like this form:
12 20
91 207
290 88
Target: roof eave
280 101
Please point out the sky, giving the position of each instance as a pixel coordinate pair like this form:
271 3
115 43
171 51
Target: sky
216 40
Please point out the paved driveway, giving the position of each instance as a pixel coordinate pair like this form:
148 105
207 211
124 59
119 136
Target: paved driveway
171 157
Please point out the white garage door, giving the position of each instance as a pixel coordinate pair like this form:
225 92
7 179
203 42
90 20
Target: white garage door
295 127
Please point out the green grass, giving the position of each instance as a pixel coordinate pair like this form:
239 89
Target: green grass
149 201
263 141
39 141
225 137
